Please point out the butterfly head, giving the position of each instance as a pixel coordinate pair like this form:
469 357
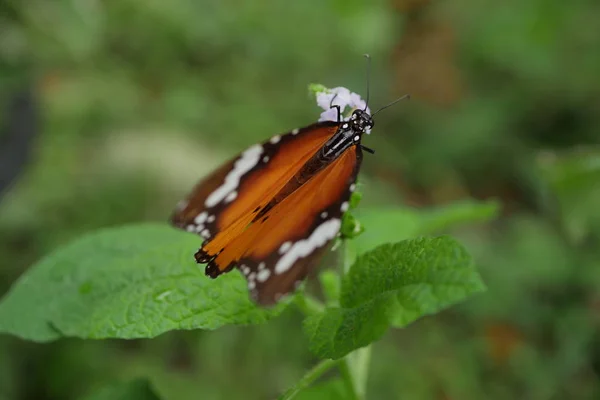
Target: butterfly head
361 121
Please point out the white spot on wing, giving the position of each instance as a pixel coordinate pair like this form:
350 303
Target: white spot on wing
344 206
190 228
251 285
200 218
205 233
285 247
324 214
353 187
211 218
231 197
302 248
265 159
182 204
275 139
295 131
263 275
199 228
261 266
245 163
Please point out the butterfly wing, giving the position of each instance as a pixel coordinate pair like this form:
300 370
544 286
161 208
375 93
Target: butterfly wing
277 251
224 202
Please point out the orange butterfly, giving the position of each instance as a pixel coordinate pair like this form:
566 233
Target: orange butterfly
272 210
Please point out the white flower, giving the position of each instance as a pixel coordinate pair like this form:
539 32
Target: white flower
329 115
341 97
357 102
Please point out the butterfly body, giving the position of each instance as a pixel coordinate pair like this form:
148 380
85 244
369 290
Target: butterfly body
273 210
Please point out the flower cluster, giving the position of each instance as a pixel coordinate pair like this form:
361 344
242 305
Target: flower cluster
339 96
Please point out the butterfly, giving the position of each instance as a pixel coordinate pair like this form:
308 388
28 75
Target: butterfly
273 210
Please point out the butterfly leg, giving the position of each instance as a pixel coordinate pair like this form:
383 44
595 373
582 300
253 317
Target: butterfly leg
339 111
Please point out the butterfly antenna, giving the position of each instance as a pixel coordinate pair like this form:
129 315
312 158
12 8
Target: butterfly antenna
368 57
405 97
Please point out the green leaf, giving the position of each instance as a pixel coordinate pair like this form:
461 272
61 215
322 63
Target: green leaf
139 389
392 225
385 226
129 282
425 275
460 213
393 285
315 88
355 199
351 227
338 331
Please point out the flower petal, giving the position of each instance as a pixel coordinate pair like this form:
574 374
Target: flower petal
324 100
328 115
357 102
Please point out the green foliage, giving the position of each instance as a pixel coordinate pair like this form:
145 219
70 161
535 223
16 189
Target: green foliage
130 282
139 389
140 281
573 192
571 171
351 227
395 224
393 285
140 98
315 88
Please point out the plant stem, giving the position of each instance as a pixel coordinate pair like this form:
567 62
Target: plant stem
356 364
354 367
309 378
348 380
346 258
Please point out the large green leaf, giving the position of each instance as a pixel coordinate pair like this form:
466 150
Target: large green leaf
424 276
393 285
394 224
130 282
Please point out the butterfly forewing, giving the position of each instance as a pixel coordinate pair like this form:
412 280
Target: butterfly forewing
276 252
226 200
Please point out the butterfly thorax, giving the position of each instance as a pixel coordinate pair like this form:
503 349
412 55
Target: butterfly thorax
349 133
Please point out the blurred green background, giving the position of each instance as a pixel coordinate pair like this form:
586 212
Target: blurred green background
112 109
